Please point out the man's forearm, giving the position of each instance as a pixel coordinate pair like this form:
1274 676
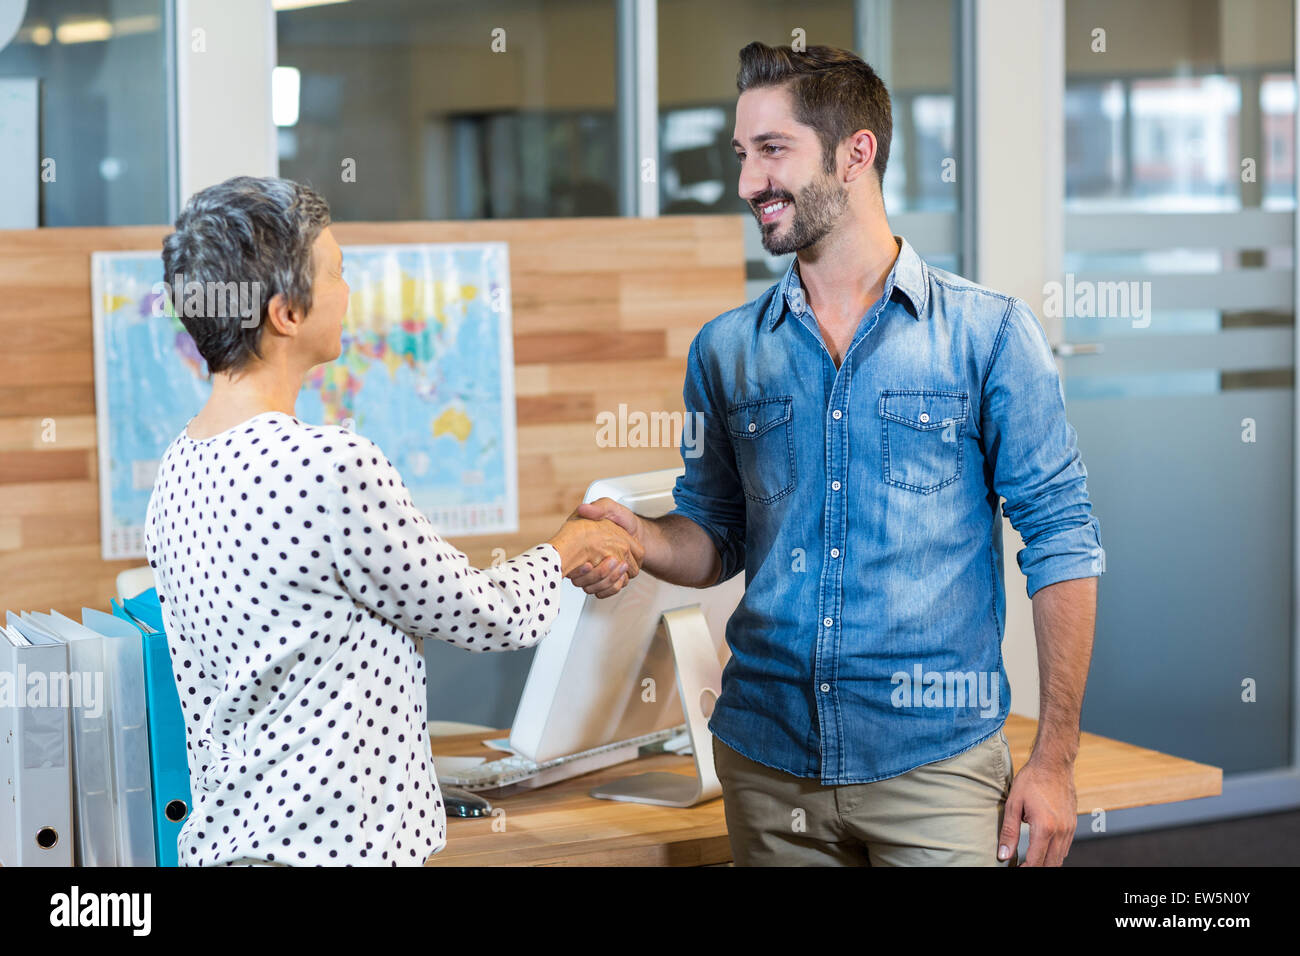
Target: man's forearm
678 551
1065 616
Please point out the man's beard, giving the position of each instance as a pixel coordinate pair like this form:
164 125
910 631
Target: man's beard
817 208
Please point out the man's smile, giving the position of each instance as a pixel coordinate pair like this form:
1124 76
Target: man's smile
772 211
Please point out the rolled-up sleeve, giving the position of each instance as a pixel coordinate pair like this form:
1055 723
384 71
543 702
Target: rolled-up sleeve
1034 456
709 493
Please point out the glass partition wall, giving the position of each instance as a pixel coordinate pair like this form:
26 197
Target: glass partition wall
1178 300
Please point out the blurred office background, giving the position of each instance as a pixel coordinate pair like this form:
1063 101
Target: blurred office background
1161 149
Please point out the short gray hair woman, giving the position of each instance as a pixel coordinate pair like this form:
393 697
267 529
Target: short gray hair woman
297 579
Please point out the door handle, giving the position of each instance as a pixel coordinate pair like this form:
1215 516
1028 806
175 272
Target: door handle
1067 349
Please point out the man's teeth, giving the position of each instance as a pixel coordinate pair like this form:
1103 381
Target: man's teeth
773 207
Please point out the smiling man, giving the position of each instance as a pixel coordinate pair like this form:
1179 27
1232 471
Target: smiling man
863 418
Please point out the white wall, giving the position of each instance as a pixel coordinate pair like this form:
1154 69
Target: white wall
225 51
1020 226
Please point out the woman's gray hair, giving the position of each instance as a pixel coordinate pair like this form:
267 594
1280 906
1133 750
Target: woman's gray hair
243 234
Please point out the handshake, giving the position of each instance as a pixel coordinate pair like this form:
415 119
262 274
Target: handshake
601 547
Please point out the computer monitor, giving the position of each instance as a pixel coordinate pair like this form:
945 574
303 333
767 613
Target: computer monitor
605 672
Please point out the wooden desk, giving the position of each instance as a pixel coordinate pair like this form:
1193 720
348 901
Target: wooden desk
561 825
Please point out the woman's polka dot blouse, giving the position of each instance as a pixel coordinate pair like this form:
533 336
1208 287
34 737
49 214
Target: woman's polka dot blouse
298 582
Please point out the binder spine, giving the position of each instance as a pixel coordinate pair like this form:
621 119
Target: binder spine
95 803
44 765
132 783
9 747
169 761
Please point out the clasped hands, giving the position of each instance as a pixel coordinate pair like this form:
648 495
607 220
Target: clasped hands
600 548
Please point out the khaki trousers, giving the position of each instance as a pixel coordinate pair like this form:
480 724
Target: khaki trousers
946 813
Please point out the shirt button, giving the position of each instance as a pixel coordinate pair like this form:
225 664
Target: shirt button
826 688
837 414
828 622
753 427
835 552
835 486
925 416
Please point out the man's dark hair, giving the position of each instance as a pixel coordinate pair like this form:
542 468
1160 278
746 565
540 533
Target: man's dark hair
244 230
833 91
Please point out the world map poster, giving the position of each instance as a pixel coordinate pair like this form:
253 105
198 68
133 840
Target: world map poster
426 372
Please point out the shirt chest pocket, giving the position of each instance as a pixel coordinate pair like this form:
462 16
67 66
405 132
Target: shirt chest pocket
921 439
762 432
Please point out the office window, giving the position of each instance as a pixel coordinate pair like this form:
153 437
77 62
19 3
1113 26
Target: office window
101 76
448 110
1277 103
1153 142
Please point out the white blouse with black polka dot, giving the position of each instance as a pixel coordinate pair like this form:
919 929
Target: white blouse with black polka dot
298 582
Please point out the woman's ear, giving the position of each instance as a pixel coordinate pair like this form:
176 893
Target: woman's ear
281 316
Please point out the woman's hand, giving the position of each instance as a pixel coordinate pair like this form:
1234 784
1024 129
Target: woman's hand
605 555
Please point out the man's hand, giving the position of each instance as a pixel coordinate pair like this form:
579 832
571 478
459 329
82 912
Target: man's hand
1043 796
598 579
1043 792
608 556
674 548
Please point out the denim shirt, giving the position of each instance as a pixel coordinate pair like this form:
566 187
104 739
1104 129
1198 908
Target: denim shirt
864 505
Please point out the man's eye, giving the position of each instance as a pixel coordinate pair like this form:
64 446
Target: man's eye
771 148
740 157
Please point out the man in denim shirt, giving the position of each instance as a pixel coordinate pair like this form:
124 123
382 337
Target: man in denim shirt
862 420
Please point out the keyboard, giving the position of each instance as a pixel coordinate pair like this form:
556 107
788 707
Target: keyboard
512 768
493 773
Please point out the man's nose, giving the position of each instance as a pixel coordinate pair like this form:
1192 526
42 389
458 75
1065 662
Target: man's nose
752 184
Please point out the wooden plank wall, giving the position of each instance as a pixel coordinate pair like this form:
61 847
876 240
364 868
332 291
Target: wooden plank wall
604 311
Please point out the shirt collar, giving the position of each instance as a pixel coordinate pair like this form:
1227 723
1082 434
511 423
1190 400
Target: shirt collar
908 277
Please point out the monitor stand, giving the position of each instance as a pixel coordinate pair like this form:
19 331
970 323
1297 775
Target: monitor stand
699 679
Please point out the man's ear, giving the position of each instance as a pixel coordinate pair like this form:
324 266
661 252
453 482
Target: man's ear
862 148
